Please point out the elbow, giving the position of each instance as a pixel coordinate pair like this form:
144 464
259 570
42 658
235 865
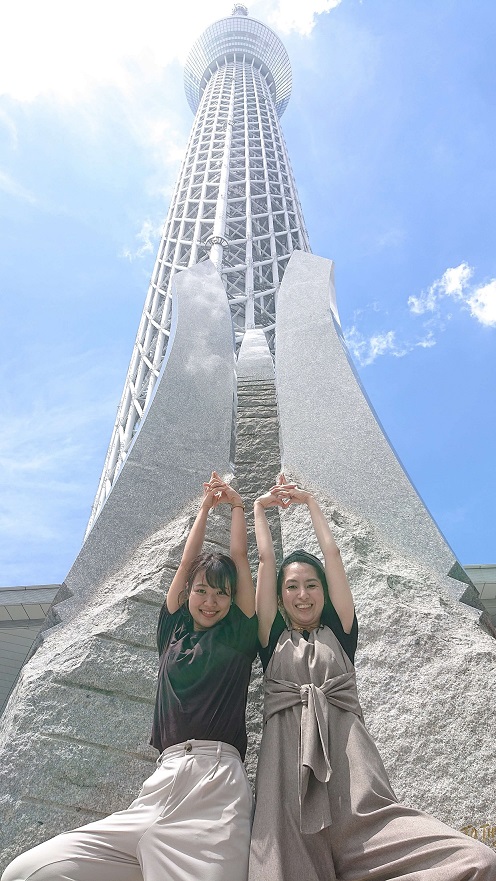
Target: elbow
239 554
266 557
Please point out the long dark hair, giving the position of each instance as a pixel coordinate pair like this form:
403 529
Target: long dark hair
220 573
301 556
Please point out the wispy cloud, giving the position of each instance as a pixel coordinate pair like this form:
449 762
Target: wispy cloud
389 238
8 123
48 446
293 15
454 287
147 238
75 48
13 188
367 349
453 283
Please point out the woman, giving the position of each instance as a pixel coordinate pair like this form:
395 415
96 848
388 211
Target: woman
192 817
325 808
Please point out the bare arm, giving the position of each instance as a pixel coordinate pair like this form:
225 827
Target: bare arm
192 548
339 588
266 598
238 548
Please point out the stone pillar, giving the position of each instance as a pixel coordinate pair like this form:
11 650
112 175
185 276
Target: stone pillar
258 462
425 664
74 742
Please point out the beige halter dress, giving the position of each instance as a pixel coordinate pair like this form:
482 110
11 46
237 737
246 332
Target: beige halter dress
325 808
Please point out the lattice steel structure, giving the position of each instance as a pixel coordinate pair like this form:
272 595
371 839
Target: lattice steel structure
235 201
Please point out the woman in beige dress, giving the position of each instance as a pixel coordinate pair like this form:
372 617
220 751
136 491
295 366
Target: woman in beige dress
325 808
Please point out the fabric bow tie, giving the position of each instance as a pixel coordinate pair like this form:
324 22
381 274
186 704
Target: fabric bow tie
314 765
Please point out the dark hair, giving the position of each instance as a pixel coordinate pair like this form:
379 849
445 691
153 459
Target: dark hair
220 573
301 556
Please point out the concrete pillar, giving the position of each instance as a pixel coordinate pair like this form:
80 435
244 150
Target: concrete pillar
424 662
74 740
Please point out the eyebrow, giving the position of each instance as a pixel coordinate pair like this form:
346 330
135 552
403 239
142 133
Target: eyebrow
306 581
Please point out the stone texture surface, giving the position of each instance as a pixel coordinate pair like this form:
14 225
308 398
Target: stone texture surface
254 359
257 464
425 670
330 435
187 430
425 661
74 740
74 737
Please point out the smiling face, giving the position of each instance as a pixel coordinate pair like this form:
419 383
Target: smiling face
302 595
207 605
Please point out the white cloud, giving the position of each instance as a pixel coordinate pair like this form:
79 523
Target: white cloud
45 447
453 283
455 286
295 15
426 302
390 238
10 125
147 237
427 342
482 304
367 349
66 49
12 188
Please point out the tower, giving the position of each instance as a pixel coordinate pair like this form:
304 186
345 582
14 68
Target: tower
235 201
74 741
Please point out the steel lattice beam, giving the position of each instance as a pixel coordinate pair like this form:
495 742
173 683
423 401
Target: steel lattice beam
235 201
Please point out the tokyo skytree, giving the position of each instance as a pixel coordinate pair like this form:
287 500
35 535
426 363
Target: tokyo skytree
240 365
235 201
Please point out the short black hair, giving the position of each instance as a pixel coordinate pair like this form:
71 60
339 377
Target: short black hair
220 573
301 556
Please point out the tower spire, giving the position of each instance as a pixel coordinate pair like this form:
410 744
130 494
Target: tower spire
235 201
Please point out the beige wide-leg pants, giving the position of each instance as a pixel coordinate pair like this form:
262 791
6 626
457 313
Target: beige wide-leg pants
190 821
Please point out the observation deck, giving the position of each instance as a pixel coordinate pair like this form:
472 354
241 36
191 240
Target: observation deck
238 35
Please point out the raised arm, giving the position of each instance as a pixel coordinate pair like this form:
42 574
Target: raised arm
238 549
266 597
192 548
339 588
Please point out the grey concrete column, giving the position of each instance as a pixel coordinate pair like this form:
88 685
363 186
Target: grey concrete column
74 736
189 427
424 663
258 461
330 433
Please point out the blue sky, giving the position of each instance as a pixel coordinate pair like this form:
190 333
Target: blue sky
391 132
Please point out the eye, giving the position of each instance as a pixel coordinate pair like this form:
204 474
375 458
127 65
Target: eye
199 590
291 586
